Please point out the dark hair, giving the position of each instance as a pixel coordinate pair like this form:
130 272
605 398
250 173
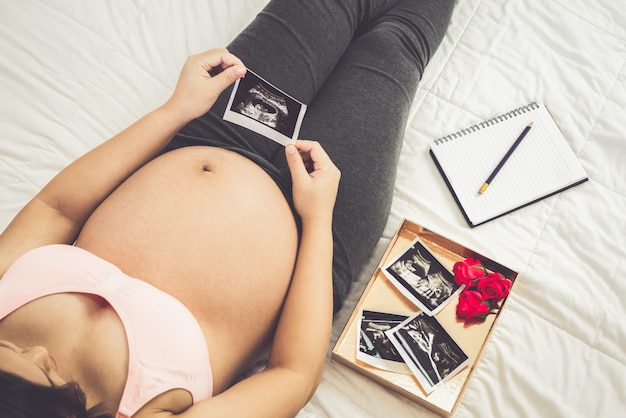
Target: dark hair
20 398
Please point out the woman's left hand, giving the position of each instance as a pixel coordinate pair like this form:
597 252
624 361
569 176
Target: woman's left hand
315 180
203 77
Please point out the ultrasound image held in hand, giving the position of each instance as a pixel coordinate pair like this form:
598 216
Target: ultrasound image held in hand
258 105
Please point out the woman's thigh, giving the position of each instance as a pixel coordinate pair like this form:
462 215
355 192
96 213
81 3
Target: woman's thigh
360 116
295 45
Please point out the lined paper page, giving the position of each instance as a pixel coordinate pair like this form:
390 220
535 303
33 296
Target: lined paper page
542 164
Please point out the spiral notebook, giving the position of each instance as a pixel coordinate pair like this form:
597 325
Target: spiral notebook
541 165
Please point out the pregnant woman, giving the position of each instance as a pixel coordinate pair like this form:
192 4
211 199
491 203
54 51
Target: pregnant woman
148 275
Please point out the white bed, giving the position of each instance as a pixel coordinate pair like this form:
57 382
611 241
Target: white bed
73 73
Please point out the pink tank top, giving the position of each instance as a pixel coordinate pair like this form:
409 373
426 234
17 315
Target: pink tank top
166 346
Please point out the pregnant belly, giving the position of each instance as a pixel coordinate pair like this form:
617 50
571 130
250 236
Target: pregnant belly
211 228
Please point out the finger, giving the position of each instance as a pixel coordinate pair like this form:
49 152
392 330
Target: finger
220 57
220 61
229 60
317 157
229 76
311 147
295 162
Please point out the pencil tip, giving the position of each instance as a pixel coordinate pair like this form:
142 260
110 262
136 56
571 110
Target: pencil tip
483 188
530 124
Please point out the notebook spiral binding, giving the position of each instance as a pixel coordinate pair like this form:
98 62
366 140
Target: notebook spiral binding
477 127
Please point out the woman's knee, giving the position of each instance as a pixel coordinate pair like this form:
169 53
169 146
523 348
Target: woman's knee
413 26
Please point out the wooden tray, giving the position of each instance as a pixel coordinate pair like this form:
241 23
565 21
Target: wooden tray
381 295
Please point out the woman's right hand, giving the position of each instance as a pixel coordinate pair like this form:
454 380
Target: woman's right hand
202 79
315 180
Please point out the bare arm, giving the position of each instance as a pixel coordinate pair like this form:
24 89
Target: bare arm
301 341
58 212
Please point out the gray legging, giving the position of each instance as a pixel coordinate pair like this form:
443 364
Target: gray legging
356 64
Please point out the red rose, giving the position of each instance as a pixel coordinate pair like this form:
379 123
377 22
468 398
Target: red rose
494 286
471 305
467 270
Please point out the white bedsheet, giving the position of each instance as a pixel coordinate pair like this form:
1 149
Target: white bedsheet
73 73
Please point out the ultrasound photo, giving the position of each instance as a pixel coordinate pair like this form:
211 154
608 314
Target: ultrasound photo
419 276
259 106
375 348
429 351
